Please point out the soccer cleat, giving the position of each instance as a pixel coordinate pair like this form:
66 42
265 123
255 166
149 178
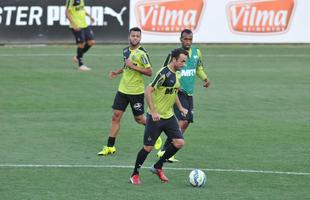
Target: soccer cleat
106 151
172 159
135 180
159 173
160 153
84 68
158 143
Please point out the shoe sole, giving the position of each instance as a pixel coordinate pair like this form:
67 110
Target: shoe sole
131 182
101 154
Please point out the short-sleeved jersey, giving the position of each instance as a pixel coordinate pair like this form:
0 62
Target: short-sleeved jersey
166 84
192 68
77 11
132 81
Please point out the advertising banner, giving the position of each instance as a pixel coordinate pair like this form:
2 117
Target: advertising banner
225 21
37 21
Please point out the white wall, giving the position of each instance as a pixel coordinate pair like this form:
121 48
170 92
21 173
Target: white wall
214 24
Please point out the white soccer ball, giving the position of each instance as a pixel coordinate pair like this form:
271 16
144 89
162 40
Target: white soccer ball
197 178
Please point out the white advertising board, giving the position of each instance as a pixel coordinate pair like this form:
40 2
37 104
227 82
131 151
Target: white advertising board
223 21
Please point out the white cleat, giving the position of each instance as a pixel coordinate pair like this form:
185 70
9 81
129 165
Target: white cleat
84 68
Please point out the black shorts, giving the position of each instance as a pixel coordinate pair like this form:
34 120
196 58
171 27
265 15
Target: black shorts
83 35
121 101
187 102
153 129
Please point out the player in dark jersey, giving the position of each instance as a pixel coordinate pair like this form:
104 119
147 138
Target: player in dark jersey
131 87
161 95
83 34
192 69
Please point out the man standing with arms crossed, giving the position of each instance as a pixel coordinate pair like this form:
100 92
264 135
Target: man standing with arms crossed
192 68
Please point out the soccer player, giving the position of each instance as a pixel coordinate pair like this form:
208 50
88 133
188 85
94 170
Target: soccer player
192 68
131 87
83 34
161 95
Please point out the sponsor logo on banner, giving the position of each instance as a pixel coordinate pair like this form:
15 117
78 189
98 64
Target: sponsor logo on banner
33 15
169 16
260 16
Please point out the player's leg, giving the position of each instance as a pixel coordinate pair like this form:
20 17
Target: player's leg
151 133
90 41
137 107
119 107
80 39
184 121
186 102
172 130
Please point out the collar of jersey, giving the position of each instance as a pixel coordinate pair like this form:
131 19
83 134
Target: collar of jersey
170 69
134 49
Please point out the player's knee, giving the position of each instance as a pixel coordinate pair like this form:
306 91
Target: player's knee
81 45
116 117
140 120
179 143
148 148
91 42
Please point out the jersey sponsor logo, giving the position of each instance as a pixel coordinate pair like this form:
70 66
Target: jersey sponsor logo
169 16
171 90
78 8
260 16
188 72
54 15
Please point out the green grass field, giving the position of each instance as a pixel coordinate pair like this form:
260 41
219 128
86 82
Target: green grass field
255 116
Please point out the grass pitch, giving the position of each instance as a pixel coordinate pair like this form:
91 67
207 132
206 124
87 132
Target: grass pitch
251 130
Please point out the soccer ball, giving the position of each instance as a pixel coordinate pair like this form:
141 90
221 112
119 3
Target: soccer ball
197 178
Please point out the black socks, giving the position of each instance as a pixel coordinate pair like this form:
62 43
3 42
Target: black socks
140 160
111 141
170 151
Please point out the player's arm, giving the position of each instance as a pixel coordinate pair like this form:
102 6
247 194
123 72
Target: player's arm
69 16
91 18
149 99
183 110
145 71
157 82
145 67
115 73
200 71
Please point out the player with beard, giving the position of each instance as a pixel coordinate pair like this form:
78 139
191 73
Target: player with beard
192 69
131 87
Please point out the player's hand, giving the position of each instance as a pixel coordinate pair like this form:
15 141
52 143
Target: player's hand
128 63
155 116
92 20
113 74
76 28
206 83
184 111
